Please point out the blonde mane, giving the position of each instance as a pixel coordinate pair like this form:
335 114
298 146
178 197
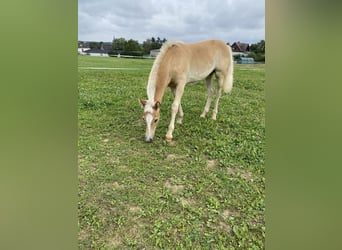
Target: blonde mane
151 86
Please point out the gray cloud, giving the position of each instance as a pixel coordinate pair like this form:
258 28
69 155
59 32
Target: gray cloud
189 21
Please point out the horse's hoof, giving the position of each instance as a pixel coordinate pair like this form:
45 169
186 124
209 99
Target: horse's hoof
168 139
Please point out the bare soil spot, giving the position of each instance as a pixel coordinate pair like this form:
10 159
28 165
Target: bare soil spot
246 175
115 242
83 235
134 209
255 221
171 157
231 171
225 226
114 160
113 185
170 142
174 188
230 213
211 163
186 202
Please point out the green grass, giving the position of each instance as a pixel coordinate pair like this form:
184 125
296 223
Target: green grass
205 190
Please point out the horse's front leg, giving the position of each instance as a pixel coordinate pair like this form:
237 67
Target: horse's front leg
180 110
174 109
180 114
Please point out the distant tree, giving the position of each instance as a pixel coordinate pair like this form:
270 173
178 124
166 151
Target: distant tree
150 44
94 45
147 44
258 47
257 51
132 48
132 45
118 45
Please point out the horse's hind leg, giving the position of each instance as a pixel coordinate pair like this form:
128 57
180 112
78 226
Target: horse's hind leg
209 82
220 78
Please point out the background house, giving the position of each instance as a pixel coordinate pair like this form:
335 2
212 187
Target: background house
94 48
241 49
82 47
96 52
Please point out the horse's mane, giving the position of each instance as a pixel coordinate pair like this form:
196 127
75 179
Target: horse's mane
154 70
162 52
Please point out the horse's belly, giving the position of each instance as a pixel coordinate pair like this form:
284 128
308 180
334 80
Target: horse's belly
198 75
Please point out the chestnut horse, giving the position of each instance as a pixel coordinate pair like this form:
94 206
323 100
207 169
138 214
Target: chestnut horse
179 63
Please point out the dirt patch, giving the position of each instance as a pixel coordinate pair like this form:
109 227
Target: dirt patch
171 157
231 171
246 175
135 231
225 226
83 235
114 242
114 160
230 213
171 143
134 209
211 163
186 202
113 185
255 222
174 188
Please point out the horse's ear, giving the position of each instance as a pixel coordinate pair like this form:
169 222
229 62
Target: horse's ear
142 102
156 105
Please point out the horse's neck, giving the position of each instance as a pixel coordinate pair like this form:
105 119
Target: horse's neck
160 91
157 86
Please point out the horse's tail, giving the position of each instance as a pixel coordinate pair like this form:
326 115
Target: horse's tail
228 80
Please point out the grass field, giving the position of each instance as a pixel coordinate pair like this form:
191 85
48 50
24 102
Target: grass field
205 190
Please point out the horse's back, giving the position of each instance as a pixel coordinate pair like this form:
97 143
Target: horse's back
206 57
210 46
195 61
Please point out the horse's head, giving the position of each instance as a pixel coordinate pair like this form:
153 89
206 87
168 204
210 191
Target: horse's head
151 117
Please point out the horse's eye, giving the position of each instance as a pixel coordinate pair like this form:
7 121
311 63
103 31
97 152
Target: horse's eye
155 120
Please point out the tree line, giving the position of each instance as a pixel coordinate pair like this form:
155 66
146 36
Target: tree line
132 47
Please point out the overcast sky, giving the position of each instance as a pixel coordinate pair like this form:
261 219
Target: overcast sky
184 20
